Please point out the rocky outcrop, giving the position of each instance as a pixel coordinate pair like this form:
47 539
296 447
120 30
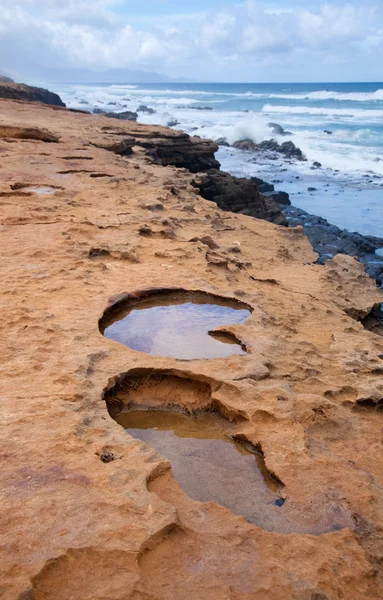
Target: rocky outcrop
27 133
146 109
239 195
180 150
20 91
126 115
288 149
278 129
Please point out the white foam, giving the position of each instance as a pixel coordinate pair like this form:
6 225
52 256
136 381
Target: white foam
357 113
341 96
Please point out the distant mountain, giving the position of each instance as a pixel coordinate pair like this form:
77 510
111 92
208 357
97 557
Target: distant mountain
4 79
67 75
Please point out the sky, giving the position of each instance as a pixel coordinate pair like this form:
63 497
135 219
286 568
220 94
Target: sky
202 40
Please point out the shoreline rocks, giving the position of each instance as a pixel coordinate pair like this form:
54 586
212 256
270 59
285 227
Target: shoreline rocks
27 93
239 195
329 240
288 149
127 115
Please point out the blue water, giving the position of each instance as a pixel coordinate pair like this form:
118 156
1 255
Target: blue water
351 156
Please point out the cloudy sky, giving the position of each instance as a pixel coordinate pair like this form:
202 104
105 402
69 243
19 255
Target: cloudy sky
254 40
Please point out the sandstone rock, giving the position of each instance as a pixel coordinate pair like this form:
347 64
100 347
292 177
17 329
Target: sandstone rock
27 133
20 91
124 147
307 394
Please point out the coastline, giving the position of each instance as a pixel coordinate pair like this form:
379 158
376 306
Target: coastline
95 211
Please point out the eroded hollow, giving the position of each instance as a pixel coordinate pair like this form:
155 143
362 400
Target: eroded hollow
210 453
41 189
374 320
176 323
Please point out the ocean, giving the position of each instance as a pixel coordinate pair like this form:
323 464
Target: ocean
349 186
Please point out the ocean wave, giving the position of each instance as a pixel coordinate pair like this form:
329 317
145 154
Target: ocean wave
341 96
308 110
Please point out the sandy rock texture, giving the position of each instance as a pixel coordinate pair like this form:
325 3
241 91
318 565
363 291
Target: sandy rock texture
88 512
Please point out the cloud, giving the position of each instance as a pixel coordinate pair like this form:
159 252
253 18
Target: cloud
102 35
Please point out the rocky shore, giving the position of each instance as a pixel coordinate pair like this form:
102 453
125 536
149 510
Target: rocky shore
97 213
19 91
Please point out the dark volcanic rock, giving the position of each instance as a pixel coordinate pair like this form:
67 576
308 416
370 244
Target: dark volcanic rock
173 123
262 186
247 145
329 240
127 115
277 129
239 195
278 197
20 91
146 109
288 149
180 150
222 142
200 107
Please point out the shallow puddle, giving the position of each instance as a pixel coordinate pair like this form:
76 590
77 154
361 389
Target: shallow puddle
179 329
207 464
210 466
46 189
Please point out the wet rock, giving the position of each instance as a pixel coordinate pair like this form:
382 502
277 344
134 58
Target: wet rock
328 132
173 123
278 129
279 197
288 149
239 195
311 189
262 186
222 142
127 115
27 93
200 107
317 164
146 109
247 145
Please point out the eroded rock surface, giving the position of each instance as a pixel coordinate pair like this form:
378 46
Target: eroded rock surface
89 512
